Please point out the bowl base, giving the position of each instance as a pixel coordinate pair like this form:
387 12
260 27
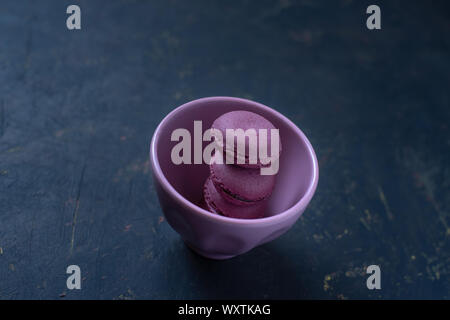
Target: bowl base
209 255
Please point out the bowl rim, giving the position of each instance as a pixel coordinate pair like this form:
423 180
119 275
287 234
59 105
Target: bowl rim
167 186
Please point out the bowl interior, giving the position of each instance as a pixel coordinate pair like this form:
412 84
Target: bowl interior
296 169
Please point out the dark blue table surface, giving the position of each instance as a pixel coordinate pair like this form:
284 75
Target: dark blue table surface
78 109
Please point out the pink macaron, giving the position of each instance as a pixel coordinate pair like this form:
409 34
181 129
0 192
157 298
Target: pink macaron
217 204
241 186
244 120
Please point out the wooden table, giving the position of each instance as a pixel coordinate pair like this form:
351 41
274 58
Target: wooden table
78 109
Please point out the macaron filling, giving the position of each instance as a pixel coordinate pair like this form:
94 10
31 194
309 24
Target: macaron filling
236 197
241 186
218 205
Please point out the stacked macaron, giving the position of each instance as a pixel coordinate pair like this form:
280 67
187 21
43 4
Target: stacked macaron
238 190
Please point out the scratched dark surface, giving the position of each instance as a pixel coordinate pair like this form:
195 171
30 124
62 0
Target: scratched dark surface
78 109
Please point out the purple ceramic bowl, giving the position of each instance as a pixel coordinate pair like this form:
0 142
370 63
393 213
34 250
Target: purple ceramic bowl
179 187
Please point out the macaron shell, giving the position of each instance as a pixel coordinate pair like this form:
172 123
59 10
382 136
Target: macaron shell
246 163
217 204
203 205
243 120
241 186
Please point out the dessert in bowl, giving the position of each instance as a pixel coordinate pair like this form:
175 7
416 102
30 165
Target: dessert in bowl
180 186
